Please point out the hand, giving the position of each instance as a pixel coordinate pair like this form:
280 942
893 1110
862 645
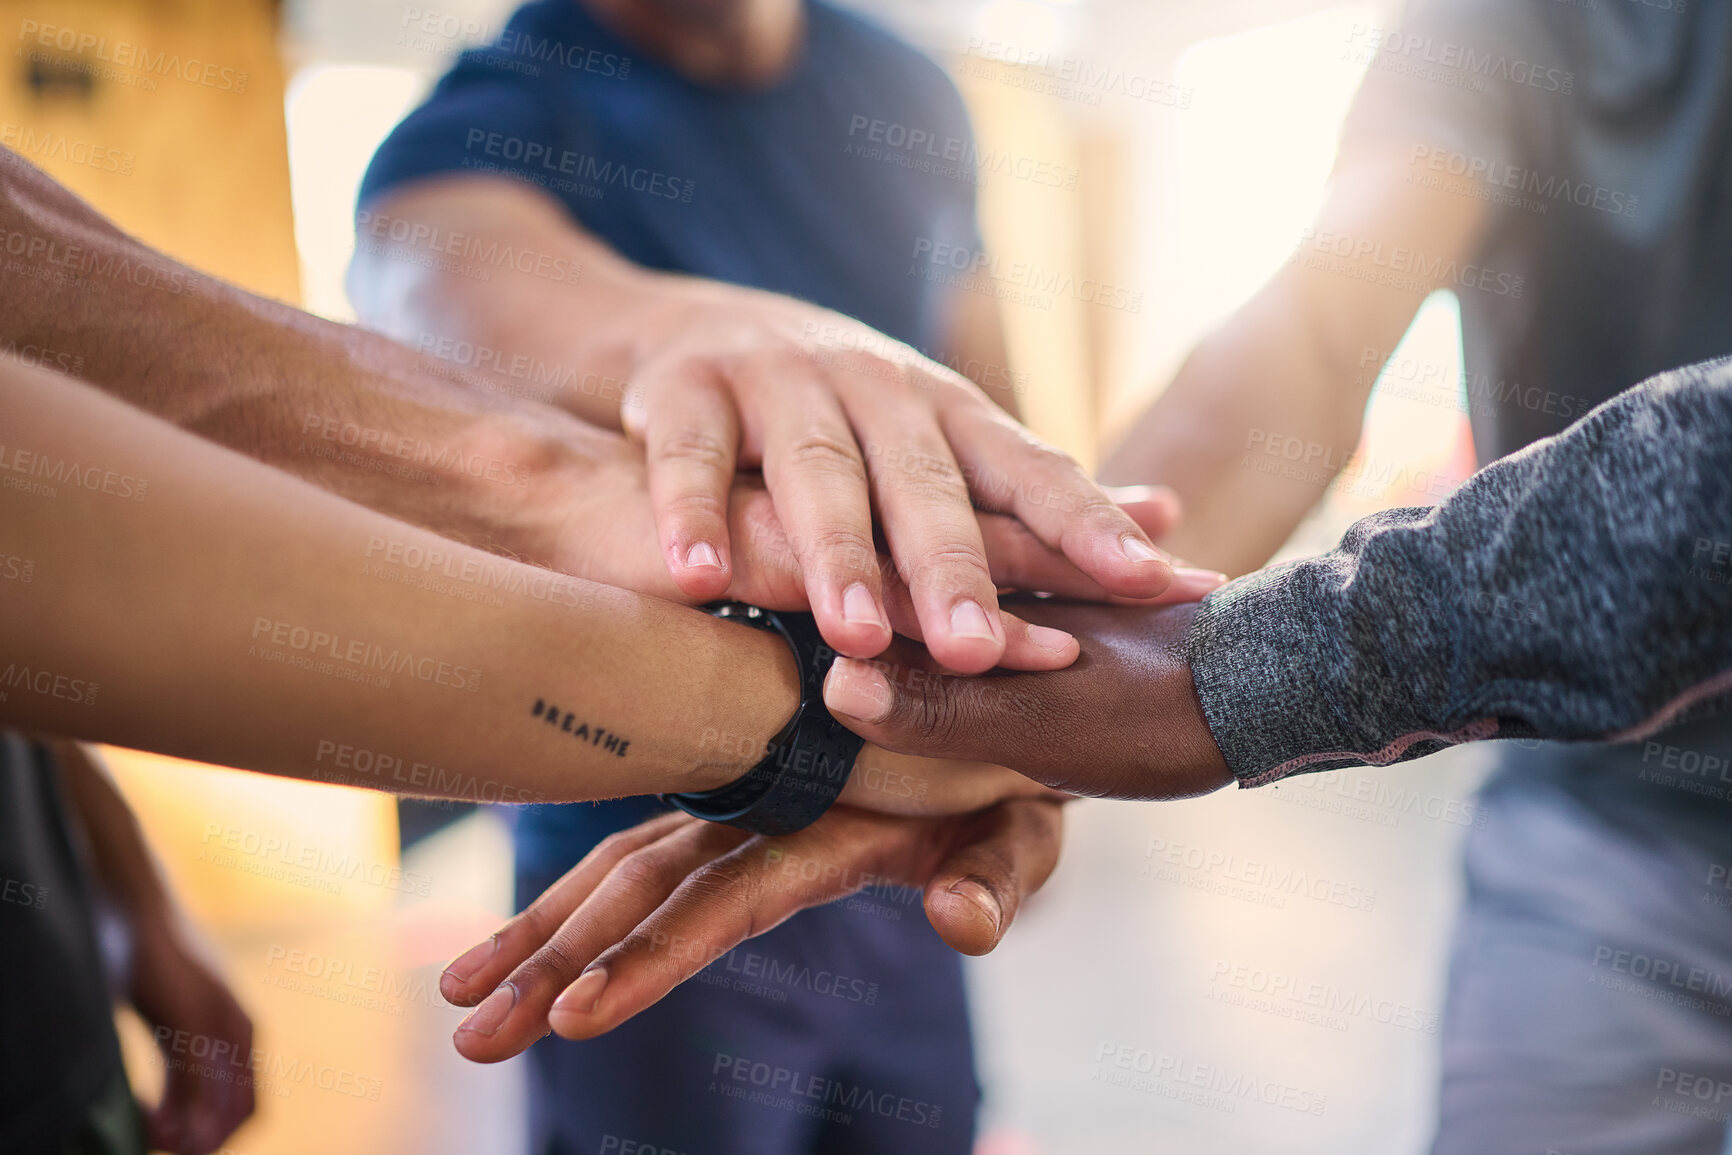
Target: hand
1122 722
712 377
845 423
652 906
596 529
178 993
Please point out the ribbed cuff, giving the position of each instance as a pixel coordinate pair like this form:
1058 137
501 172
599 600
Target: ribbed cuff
1265 703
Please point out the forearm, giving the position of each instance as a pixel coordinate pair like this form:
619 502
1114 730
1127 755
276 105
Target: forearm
1266 386
561 319
1269 408
346 409
189 601
1568 592
123 864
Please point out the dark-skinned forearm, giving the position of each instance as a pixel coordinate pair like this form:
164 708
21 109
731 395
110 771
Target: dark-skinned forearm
349 410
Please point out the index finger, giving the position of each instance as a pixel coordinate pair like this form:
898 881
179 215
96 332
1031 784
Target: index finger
1011 471
934 537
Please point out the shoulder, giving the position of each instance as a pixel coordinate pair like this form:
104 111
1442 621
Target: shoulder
548 18
864 46
543 39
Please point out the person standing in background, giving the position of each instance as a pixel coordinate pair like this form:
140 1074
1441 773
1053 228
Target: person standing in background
742 141
84 909
1566 171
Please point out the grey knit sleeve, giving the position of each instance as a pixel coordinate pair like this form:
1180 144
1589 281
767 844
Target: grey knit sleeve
1578 590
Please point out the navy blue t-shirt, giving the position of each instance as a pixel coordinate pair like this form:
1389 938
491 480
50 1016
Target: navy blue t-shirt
824 186
820 187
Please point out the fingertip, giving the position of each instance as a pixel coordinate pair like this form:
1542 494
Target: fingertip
967 915
634 412
1193 585
1188 586
453 991
486 1019
965 655
970 639
574 1014
475 1048
1038 648
852 621
1156 509
854 689
852 641
700 566
1137 569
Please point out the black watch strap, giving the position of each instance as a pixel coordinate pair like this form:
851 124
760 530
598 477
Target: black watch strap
807 764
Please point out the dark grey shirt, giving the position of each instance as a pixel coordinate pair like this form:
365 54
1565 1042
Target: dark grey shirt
1601 139
1533 602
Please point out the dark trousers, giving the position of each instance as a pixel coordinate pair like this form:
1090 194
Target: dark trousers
1590 997
844 1031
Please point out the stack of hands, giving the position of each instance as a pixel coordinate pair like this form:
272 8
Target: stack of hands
895 500
749 447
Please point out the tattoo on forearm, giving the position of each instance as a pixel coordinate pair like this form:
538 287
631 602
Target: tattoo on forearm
568 723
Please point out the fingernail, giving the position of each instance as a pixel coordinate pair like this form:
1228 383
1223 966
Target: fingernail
855 689
486 1018
860 608
1055 641
703 556
981 897
1139 550
464 966
969 620
581 997
1199 577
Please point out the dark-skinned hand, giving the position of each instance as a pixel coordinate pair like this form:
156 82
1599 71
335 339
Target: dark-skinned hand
653 905
1123 721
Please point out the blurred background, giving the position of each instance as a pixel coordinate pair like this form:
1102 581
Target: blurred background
1177 937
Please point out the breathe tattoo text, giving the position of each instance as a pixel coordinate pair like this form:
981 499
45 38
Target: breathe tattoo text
569 723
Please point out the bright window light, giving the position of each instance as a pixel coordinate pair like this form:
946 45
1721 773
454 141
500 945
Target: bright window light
337 116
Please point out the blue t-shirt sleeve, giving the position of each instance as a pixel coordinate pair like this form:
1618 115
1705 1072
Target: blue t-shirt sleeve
959 207
485 117
957 199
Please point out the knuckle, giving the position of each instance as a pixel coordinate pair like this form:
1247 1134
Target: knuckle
949 568
552 964
639 873
935 717
613 842
538 920
736 887
827 452
691 445
693 503
924 475
1100 509
839 553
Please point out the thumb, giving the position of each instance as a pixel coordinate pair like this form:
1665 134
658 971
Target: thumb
980 719
1005 855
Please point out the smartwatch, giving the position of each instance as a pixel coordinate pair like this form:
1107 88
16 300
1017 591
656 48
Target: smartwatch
807 764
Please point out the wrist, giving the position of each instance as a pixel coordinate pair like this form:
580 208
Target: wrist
757 691
397 433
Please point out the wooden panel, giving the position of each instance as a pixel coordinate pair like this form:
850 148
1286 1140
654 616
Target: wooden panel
168 117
